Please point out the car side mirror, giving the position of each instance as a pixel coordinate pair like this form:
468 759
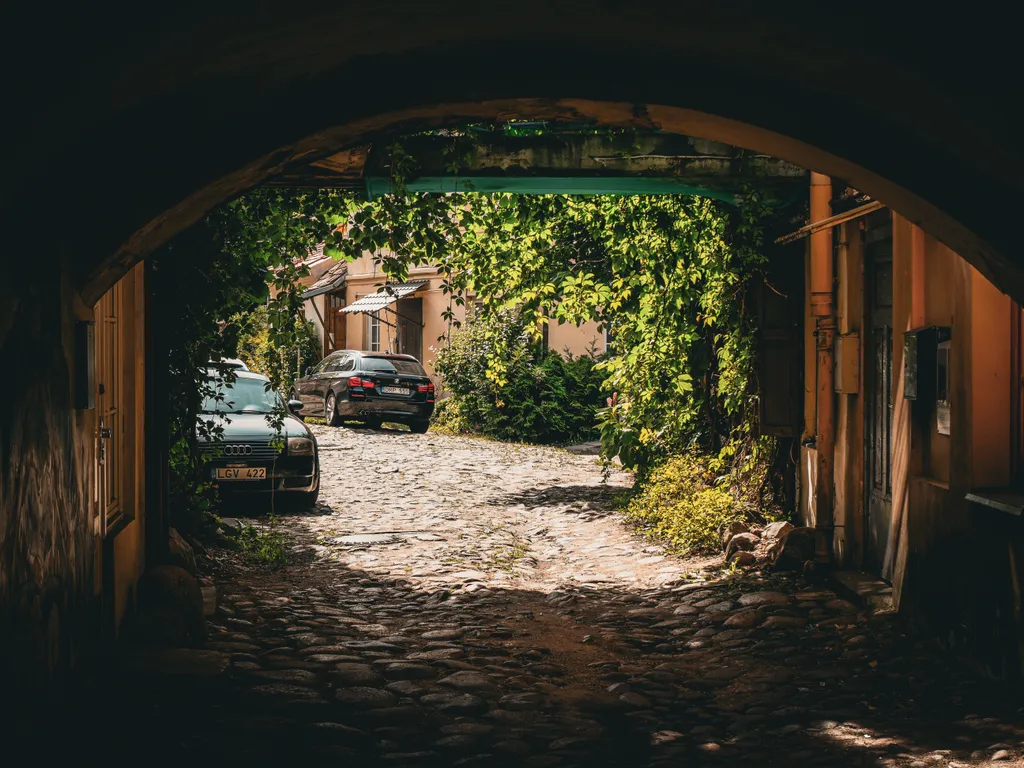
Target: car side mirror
309 370
295 406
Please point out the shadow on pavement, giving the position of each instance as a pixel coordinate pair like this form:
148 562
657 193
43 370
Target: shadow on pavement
322 664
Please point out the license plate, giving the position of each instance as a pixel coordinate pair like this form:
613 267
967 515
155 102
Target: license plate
395 391
241 473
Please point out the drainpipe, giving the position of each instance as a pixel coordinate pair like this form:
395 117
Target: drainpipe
823 311
917 298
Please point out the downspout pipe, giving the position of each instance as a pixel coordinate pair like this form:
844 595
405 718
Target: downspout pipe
824 314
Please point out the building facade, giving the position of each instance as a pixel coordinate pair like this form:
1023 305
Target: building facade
910 447
346 304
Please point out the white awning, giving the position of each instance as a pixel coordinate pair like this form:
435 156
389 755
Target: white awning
375 302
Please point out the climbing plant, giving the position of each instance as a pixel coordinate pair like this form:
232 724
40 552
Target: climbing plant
667 276
227 266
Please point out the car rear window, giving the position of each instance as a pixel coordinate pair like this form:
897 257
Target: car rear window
392 365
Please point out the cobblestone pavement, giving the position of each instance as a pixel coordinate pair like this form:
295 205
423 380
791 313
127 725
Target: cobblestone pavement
465 603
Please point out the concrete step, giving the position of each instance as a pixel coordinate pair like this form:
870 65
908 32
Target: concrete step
865 589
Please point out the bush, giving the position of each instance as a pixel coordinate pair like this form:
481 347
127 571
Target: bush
448 418
258 351
504 385
680 503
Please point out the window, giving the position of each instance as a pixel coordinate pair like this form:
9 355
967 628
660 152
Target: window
244 395
348 363
609 337
942 388
373 333
392 365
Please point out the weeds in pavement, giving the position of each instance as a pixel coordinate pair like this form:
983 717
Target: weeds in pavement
265 545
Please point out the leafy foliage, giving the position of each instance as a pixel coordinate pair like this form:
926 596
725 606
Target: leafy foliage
682 504
258 347
217 269
541 397
668 275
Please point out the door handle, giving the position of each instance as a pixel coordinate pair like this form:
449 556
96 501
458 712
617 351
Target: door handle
105 434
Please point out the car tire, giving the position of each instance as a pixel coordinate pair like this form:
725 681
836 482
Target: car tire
307 500
419 427
331 410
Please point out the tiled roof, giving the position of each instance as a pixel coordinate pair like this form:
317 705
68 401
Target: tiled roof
330 280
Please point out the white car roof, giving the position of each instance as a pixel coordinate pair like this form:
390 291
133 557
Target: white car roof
234 362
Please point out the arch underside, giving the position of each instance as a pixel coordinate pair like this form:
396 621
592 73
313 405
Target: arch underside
141 127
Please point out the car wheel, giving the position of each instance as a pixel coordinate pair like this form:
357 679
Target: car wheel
419 427
307 500
331 410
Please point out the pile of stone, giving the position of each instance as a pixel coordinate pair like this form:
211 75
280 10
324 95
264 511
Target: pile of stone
781 546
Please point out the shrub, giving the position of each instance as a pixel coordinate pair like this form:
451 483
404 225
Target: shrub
680 503
257 349
449 419
503 384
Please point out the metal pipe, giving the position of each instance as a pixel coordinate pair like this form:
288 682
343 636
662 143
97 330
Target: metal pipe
823 310
917 297
831 221
821 247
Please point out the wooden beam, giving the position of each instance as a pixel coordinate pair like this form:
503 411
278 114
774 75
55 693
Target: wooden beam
556 155
830 222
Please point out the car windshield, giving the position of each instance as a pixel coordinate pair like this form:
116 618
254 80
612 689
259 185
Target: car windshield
243 396
393 365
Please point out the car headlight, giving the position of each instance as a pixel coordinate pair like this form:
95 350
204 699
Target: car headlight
300 446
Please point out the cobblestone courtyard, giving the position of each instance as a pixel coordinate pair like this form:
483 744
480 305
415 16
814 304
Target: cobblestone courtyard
467 603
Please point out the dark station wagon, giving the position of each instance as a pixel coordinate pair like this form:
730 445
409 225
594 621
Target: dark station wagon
372 387
253 444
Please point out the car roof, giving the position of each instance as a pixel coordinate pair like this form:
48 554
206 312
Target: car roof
389 356
243 374
364 353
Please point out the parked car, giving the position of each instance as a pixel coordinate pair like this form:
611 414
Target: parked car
372 387
251 455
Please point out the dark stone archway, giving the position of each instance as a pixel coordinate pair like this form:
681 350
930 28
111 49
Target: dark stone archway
136 126
121 132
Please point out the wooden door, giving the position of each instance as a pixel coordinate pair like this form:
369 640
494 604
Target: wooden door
410 327
109 410
336 330
878 391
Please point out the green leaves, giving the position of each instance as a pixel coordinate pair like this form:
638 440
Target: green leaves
502 384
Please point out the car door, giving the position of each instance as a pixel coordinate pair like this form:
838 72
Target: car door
321 379
304 387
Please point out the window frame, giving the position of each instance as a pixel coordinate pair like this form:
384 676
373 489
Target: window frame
373 332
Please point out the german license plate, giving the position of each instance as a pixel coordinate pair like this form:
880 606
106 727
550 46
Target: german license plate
395 390
241 473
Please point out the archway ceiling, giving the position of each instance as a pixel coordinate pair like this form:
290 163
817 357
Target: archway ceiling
125 129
